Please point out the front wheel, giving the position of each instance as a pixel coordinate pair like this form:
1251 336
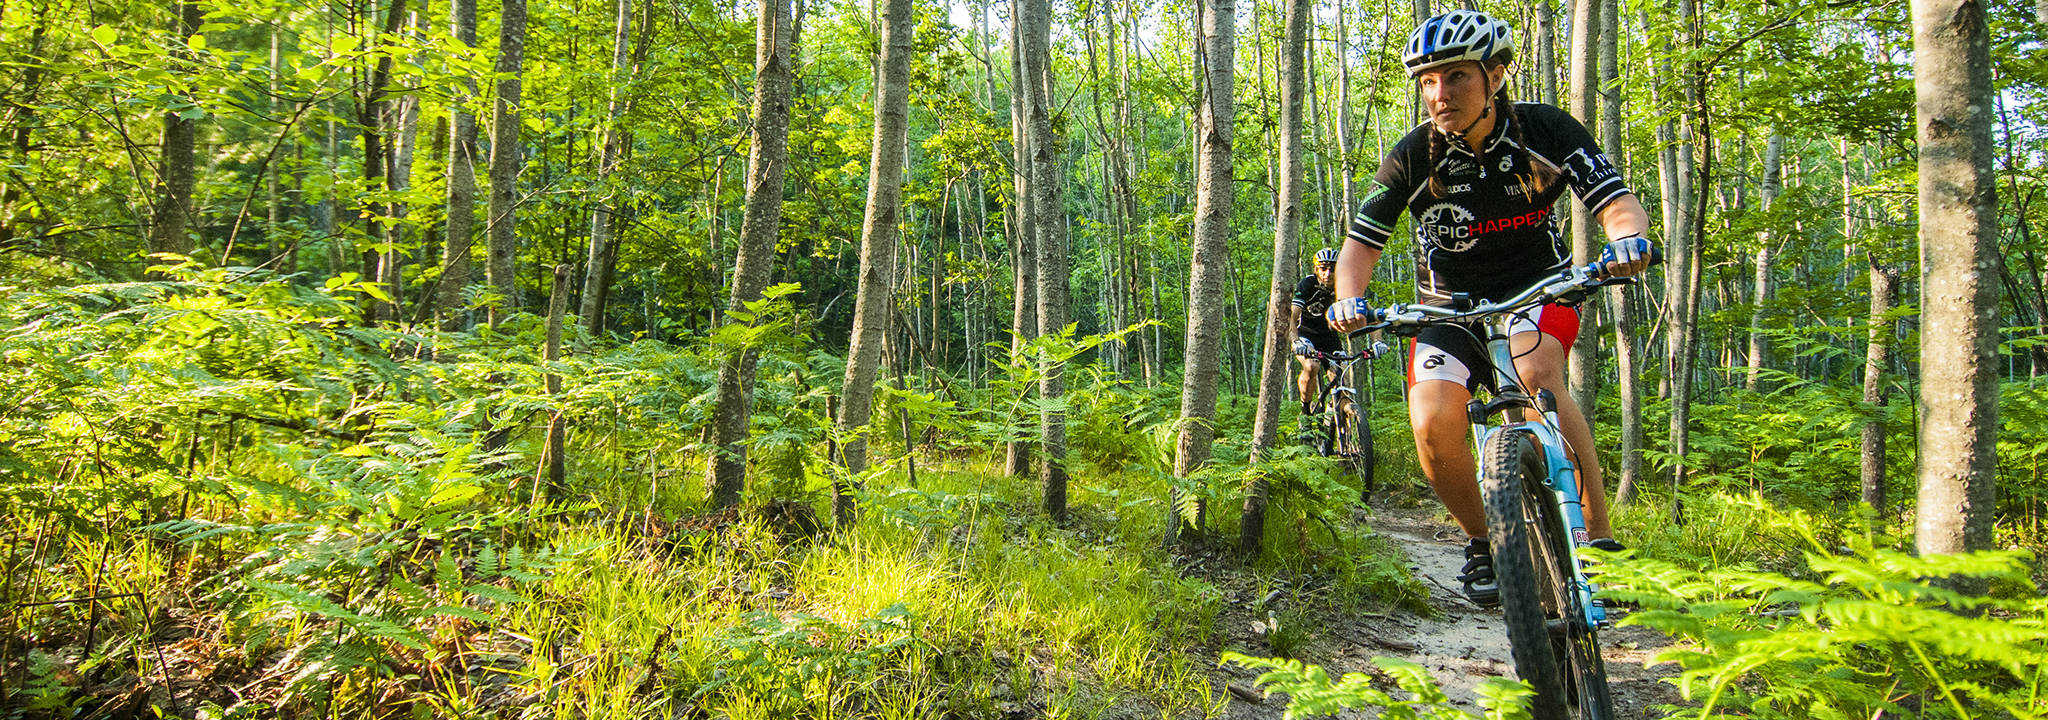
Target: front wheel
1555 650
1358 451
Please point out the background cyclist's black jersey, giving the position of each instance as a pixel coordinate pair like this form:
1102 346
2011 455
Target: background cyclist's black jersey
1314 299
1486 235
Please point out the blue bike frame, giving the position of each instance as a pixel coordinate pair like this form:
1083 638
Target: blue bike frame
1563 479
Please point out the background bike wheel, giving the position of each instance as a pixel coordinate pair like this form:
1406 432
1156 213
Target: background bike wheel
1362 458
1557 656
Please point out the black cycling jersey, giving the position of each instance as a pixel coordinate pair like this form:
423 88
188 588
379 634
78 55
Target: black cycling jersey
1314 299
1488 235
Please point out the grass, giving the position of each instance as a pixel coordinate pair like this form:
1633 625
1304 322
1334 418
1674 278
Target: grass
953 599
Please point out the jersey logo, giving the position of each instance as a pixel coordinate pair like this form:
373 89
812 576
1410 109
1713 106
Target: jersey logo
1459 166
1374 193
1449 227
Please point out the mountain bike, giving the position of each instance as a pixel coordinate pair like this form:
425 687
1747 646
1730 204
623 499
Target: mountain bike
1534 520
1338 429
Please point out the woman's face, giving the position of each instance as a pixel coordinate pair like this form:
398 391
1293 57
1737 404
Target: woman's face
1457 93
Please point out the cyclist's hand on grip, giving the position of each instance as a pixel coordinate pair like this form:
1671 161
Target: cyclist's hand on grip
1303 347
1349 314
1378 349
1628 256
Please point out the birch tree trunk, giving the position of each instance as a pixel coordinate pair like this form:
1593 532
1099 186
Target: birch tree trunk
774 48
1959 263
1544 53
1052 241
1759 345
880 232
169 218
1273 375
461 209
500 222
1208 268
1884 288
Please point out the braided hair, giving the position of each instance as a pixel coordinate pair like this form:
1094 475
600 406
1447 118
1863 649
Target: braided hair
1533 182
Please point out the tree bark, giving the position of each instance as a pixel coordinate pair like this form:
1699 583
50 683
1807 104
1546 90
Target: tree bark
1051 236
1544 54
1884 287
172 213
1766 252
603 251
1959 263
880 232
1208 264
554 465
455 250
774 49
1629 385
1682 276
1273 375
1023 242
1583 365
505 161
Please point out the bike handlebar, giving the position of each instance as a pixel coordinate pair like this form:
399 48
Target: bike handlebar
1565 283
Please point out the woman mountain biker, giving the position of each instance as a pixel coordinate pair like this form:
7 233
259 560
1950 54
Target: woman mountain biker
1479 178
1312 333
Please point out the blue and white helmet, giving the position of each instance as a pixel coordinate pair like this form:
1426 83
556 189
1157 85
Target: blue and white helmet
1457 36
1326 255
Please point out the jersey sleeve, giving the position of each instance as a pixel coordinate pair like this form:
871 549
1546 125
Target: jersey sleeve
1384 200
1593 178
1303 290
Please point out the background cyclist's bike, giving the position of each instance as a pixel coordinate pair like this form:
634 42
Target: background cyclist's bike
1339 428
1533 517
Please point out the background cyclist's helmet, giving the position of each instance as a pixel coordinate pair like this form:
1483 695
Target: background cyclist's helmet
1457 36
1326 255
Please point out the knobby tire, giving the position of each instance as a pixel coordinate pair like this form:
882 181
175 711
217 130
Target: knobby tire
1531 562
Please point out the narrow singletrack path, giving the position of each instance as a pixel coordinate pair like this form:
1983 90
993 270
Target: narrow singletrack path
1463 644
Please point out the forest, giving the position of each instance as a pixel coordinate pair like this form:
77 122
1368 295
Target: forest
929 359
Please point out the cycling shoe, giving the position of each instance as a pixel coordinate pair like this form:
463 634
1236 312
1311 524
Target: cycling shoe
1477 575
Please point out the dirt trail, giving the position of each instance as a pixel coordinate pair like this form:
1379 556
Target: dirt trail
1464 644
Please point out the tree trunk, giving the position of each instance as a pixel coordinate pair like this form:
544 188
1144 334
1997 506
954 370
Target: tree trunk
1884 287
554 463
1959 261
500 222
1208 264
1759 345
172 214
455 251
1023 242
1682 278
774 49
1583 365
879 234
1629 385
1544 55
1273 375
597 266
1051 236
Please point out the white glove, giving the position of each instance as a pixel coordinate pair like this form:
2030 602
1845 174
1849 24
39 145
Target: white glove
1303 347
1378 349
